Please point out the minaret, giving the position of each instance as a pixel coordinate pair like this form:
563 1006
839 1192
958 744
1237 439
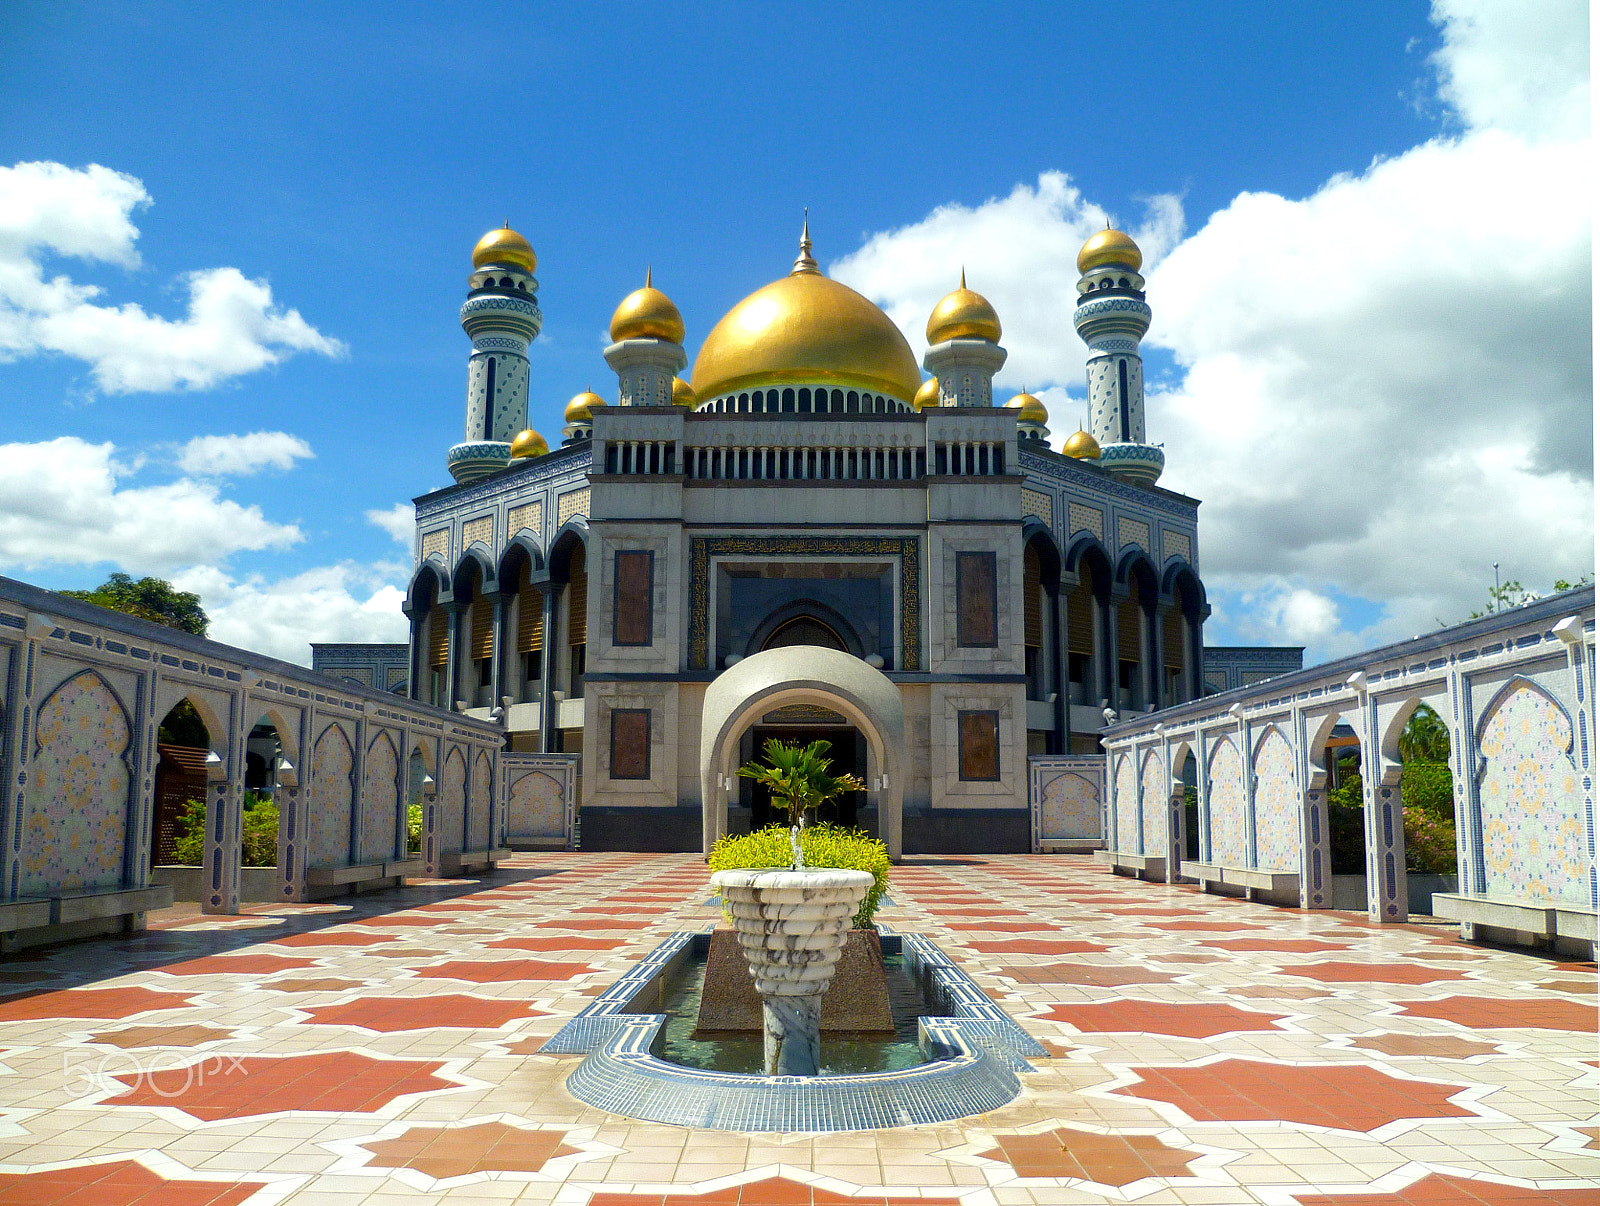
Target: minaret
1112 317
647 347
501 316
964 350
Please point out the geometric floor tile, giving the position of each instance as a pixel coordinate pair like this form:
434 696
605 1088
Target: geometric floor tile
394 1014
1436 1189
1291 992
243 965
331 938
1006 927
1489 1013
442 1152
1221 927
1428 1046
1592 1133
1580 987
1104 1159
555 944
1085 973
1372 973
341 1081
1036 946
1274 944
160 1036
313 984
1158 1017
119 1183
1346 1096
89 1003
501 970
592 923
774 1191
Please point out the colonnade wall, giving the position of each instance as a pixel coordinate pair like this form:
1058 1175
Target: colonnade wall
1515 691
83 693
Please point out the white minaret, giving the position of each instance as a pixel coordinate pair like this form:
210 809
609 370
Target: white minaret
964 351
1112 317
647 351
501 316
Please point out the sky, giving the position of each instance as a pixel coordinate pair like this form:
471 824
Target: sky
234 240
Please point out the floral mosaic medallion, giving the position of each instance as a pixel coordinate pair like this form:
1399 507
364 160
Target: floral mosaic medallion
1155 791
1127 812
1277 805
1225 803
1533 833
380 800
82 737
329 799
537 807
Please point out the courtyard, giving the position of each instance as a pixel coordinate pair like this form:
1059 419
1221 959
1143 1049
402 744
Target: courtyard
383 1049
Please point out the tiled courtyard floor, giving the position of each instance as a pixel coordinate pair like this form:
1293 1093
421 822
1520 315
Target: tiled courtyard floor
379 1049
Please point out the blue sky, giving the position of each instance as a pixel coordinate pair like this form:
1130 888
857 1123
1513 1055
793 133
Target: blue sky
348 156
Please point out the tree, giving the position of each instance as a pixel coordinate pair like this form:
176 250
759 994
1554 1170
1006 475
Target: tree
1512 593
799 776
152 599
1425 737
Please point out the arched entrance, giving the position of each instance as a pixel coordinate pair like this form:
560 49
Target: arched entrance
803 674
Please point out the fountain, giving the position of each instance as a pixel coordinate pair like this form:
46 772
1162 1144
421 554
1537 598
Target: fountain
791 927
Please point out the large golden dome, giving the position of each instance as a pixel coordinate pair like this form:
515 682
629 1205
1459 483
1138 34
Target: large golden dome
1110 246
647 313
805 328
963 314
504 246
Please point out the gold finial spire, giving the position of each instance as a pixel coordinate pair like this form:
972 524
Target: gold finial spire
803 262
647 283
963 276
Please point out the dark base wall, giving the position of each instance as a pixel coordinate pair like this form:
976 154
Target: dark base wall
967 831
649 830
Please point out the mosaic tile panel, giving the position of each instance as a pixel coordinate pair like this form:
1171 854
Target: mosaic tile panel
1037 502
452 804
1533 838
436 543
1127 805
79 767
479 529
1176 544
1069 807
1133 531
1154 784
537 807
1226 804
1277 805
380 799
528 515
1086 519
573 502
478 804
330 799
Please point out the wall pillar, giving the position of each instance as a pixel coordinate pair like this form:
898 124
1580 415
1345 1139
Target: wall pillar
224 815
1387 901
547 656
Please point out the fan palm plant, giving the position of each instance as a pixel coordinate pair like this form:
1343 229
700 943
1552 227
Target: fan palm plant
800 777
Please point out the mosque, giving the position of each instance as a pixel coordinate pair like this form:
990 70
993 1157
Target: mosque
805 538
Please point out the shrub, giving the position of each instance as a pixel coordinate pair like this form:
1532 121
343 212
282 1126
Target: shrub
1430 842
189 850
259 837
823 846
414 828
1428 786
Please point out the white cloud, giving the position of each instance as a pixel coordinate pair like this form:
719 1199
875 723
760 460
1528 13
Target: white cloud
1383 386
231 326
336 603
400 521
60 504
218 456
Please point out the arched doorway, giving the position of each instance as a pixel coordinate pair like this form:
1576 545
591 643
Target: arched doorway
811 675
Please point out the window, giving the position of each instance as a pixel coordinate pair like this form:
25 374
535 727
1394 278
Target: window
979 735
532 666
630 743
975 601
632 589
575 678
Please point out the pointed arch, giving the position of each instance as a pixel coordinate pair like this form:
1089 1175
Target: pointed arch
79 790
330 799
1225 803
1155 795
380 799
452 803
1127 804
1277 803
480 804
1503 696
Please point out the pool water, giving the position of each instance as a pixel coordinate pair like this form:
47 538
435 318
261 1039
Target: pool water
843 1052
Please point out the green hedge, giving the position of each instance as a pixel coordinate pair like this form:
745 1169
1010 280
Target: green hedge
823 846
259 838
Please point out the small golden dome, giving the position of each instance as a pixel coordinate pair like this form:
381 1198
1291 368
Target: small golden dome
963 314
528 444
504 246
682 393
1082 446
928 395
805 329
1029 409
1110 246
647 313
581 408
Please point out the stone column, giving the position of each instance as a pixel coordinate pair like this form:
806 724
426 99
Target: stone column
551 592
1387 901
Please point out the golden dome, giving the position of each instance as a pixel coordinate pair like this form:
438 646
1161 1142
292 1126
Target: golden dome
682 394
1082 446
927 394
805 328
1109 247
581 408
1029 409
963 314
504 246
528 444
647 313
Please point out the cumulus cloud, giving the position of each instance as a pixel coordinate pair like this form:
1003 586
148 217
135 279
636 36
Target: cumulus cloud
1383 386
231 326
240 455
335 603
400 521
61 504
